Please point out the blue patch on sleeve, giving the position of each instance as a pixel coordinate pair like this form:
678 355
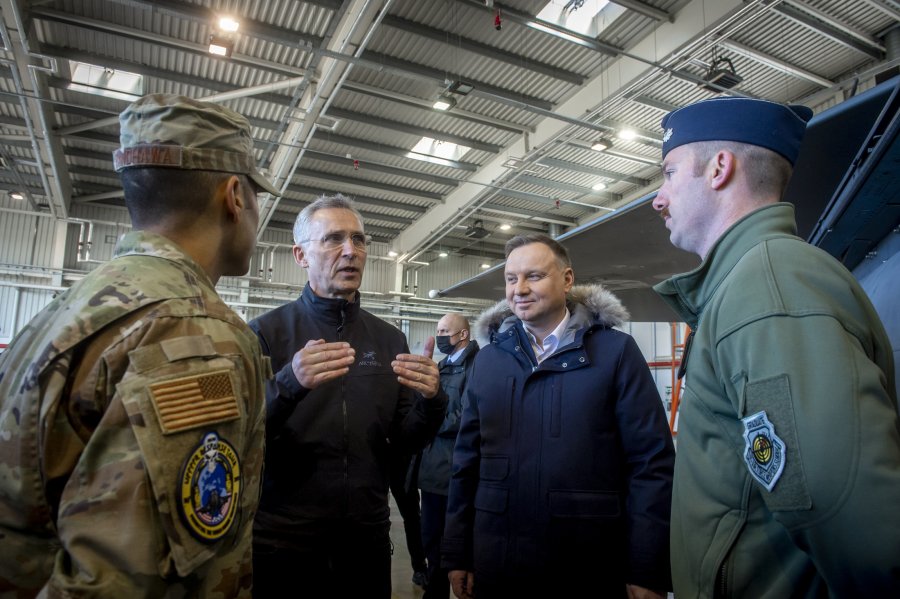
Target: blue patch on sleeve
764 451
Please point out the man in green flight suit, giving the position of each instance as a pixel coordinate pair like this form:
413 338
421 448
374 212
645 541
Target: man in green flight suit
787 475
120 398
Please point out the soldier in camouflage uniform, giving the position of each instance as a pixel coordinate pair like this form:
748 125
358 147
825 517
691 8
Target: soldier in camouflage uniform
132 407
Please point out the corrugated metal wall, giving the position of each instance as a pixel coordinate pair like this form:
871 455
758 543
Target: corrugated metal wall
25 239
98 230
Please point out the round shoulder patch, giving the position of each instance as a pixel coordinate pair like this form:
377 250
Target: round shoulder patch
210 488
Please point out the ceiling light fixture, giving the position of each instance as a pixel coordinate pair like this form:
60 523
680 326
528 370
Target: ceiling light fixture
460 87
228 24
505 227
17 195
485 265
476 230
627 134
392 254
602 144
721 74
219 46
442 254
444 103
598 186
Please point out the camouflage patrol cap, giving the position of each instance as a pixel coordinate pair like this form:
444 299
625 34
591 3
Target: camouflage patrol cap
165 130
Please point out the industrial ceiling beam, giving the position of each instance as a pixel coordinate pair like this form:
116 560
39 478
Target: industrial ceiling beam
775 63
27 70
696 22
368 119
366 185
381 168
438 76
359 200
347 35
592 170
297 205
562 186
201 50
428 104
528 214
827 27
390 150
552 29
645 9
485 50
248 27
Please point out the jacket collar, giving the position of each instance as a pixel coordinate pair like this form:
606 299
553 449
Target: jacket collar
140 242
689 292
336 311
471 348
588 304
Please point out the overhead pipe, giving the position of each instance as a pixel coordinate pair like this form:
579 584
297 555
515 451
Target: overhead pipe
670 66
20 89
220 97
317 97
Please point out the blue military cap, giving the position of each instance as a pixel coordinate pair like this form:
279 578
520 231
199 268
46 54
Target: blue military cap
777 127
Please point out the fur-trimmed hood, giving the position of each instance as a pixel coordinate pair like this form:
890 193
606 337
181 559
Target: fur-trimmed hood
603 305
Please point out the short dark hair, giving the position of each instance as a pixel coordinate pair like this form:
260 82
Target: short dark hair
766 171
561 253
156 194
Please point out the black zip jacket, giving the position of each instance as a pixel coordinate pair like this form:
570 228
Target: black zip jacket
327 448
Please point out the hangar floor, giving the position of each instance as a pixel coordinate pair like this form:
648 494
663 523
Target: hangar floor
401 570
402 586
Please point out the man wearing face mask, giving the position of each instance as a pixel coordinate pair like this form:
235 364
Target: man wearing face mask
452 338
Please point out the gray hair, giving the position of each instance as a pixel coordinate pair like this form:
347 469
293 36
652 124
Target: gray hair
304 219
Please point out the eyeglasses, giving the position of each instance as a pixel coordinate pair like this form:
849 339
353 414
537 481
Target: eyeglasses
451 334
333 241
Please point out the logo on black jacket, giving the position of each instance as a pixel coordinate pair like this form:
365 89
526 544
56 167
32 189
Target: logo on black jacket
368 359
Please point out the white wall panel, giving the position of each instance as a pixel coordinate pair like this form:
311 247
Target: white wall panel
25 239
9 302
32 301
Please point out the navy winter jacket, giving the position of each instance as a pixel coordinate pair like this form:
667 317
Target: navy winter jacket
562 471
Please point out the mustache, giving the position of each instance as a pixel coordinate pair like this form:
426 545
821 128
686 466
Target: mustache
664 213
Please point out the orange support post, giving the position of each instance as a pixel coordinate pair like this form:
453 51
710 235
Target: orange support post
676 382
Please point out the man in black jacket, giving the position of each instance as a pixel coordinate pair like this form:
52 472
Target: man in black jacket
455 340
345 388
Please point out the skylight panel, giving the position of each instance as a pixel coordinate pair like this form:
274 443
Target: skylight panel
106 82
575 15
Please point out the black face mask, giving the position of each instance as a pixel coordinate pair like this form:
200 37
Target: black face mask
443 344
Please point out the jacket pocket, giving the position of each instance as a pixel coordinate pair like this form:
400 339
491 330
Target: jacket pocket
491 499
584 504
495 405
493 468
713 569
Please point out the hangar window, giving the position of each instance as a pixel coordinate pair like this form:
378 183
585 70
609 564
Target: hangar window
428 149
586 17
104 81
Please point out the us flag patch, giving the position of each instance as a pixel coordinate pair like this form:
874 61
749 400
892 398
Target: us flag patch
193 401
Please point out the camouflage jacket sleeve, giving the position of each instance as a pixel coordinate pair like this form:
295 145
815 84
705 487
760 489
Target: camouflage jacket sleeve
166 420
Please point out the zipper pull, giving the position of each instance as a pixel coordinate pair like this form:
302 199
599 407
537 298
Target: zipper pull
684 355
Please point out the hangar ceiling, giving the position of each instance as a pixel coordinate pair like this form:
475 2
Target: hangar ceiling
341 97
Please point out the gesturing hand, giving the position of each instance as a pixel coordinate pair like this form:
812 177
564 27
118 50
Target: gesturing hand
319 362
419 373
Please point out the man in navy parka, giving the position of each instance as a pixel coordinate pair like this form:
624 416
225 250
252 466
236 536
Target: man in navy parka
562 470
